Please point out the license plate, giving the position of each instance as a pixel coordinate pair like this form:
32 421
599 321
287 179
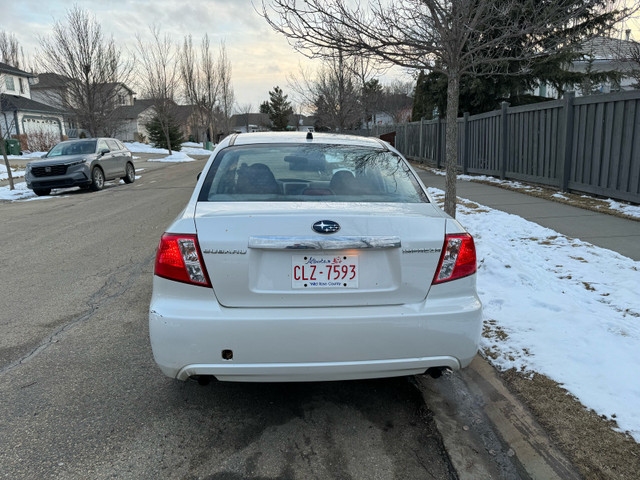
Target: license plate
324 271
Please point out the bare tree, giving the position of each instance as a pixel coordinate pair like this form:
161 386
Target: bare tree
364 69
3 150
207 85
10 50
227 95
332 92
454 37
200 81
160 74
91 67
244 111
396 100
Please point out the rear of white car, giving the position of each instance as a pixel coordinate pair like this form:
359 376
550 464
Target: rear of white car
303 259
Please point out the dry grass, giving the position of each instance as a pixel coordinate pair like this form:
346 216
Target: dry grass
587 439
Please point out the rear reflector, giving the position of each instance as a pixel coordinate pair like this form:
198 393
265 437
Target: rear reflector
458 258
179 259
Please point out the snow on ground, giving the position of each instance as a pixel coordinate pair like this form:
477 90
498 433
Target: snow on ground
21 192
631 210
188 147
560 307
174 157
26 155
14 173
195 149
625 208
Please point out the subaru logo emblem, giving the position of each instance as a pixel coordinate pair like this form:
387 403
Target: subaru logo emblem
326 226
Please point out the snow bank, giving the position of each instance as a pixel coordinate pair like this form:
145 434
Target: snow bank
14 173
188 147
174 157
560 307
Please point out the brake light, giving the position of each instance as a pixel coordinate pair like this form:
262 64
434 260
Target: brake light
458 258
179 258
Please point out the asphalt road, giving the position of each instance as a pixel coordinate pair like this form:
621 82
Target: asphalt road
80 395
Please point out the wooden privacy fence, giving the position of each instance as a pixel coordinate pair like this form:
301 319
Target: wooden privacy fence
586 144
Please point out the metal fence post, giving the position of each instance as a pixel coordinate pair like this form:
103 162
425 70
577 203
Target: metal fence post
504 138
568 140
465 142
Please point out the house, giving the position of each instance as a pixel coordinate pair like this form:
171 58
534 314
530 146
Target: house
250 122
189 119
132 120
57 91
260 122
38 126
301 123
601 54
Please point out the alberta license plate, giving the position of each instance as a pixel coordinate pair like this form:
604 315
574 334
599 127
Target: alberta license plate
324 271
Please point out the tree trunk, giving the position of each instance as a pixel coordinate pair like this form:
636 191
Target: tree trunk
168 137
6 163
451 149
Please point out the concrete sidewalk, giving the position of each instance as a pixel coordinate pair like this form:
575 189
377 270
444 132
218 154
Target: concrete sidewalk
614 233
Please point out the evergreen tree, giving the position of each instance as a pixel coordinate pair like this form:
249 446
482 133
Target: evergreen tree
157 136
278 108
490 85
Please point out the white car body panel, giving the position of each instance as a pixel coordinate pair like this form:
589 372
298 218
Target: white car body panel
395 323
189 331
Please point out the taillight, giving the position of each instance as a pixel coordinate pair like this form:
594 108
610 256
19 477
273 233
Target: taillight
179 259
458 258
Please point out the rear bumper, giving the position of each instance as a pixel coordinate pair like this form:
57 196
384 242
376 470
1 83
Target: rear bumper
189 331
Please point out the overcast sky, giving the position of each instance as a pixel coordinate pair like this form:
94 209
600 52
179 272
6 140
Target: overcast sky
260 58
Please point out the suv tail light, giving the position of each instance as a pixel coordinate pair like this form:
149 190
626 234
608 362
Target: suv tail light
458 258
179 259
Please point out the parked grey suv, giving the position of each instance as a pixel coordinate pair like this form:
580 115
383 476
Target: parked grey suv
85 163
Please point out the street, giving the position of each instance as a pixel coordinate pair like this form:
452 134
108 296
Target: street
82 398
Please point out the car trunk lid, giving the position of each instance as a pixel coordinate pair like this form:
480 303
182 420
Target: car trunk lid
268 255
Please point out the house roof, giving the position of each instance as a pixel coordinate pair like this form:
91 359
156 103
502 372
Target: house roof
54 80
9 103
128 112
607 48
50 80
115 84
183 112
6 68
301 120
241 120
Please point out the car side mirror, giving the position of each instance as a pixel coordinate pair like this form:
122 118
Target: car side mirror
104 151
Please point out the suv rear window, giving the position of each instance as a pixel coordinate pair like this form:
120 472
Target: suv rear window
295 173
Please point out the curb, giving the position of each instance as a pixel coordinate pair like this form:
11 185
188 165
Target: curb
487 431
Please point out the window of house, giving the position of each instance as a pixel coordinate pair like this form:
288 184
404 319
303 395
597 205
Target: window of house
9 83
21 81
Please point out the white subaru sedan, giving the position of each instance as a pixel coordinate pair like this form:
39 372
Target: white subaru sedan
311 257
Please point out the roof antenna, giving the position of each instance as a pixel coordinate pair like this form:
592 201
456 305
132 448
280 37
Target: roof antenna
309 135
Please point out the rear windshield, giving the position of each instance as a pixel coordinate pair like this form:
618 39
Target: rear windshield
73 148
303 173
